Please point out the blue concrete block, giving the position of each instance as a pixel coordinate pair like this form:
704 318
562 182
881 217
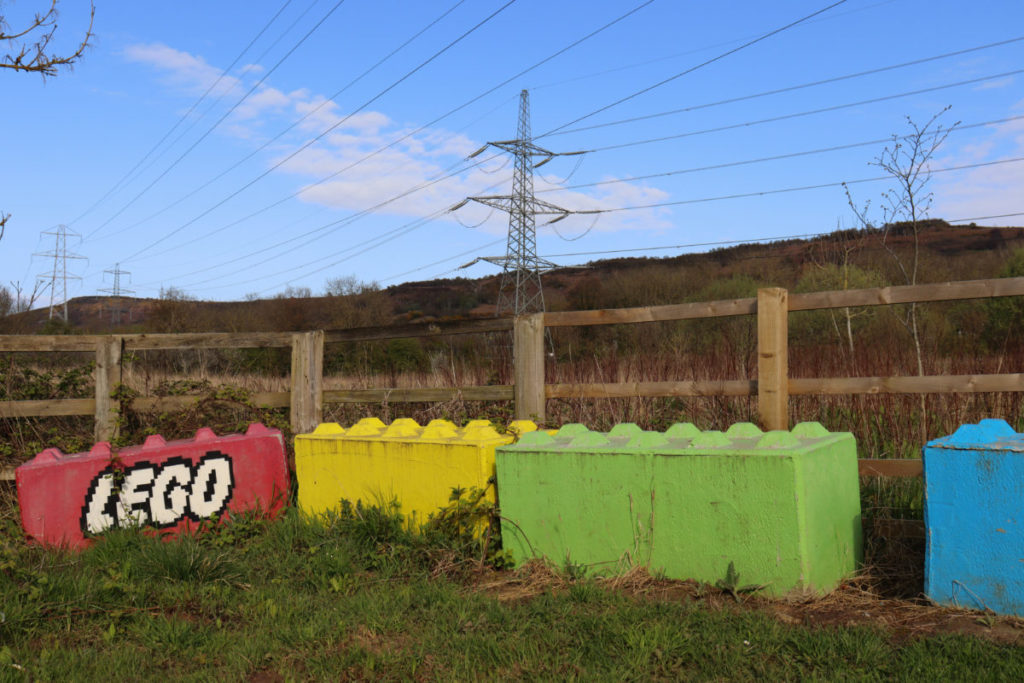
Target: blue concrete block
973 511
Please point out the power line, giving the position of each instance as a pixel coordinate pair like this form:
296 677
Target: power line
537 64
291 127
777 157
854 181
401 231
705 48
223 117
810 112
802 188
463 254
777 91
199 118
839 184
750 123
985 218
369 244
297 240
374 242
383 239
603 252
694 68
751 240
321 135
184 116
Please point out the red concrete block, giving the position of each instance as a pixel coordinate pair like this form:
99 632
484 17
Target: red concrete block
166 485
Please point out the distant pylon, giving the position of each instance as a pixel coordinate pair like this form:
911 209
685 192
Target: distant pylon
60 256
116 291
521 291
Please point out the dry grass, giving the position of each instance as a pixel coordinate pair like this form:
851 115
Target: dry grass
863 600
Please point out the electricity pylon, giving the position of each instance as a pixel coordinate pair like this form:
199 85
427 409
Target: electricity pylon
116 291
521 290
60 256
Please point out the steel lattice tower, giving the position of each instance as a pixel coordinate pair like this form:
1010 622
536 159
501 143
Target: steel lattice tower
521 291
116 291
60 256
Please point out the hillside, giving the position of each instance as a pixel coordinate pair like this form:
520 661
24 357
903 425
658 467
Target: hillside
867 257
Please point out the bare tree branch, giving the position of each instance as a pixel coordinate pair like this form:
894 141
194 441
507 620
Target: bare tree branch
908 162
32 57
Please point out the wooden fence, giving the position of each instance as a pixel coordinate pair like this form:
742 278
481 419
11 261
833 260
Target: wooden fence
529 390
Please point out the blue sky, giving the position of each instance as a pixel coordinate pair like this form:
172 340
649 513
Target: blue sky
245 206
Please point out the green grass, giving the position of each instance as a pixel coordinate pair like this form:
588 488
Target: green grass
358 596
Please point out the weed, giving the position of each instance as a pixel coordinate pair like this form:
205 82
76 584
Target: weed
731 584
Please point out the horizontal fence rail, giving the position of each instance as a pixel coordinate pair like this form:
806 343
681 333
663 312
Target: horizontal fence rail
773 387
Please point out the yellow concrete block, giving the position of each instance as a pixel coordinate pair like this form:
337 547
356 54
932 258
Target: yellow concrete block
416 465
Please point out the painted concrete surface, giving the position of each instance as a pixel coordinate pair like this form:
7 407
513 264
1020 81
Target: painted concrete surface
67 499
418 466
973 512
783 507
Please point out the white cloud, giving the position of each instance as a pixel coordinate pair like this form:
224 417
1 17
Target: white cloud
368 176
988 190
181 69
263 101
996 84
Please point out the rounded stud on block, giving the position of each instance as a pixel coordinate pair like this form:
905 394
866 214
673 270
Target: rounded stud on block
627 429
997 429
402 429
534 439
683 430
572 429
480 433
810 430
520 427
439 429
744 430
99 448
205 434
54 454
368 426
328 429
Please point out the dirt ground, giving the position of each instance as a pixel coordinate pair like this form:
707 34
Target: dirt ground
887 594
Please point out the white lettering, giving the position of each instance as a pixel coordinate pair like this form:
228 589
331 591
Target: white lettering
169 501
133 503
211 486
97 518
161 495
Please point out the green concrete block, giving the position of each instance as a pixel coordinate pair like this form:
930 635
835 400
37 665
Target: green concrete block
783 507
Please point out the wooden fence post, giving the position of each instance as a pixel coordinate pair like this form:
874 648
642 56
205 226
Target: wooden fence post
107 377
528 367
773 357
307 380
